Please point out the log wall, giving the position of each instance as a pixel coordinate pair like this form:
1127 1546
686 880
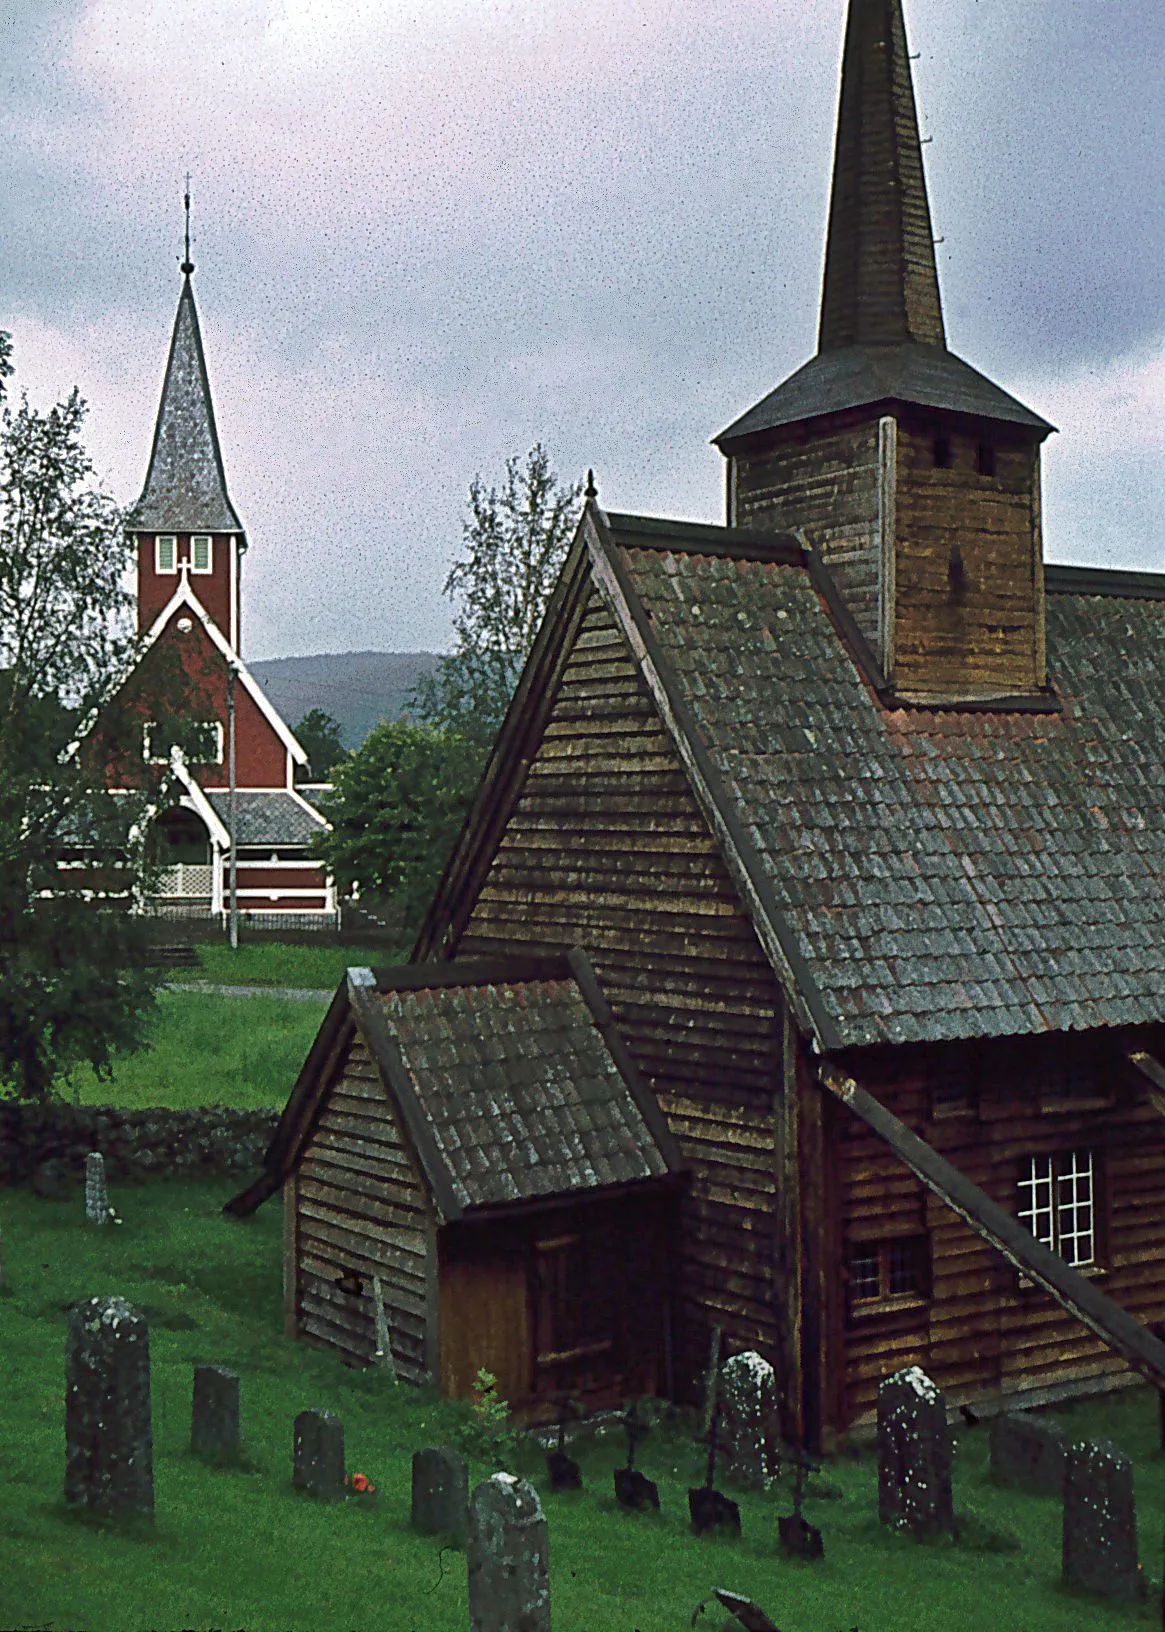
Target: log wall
607 848
823 481
982 1333
980 639
361 1207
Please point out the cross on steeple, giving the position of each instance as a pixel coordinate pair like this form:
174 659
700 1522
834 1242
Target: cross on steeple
187 264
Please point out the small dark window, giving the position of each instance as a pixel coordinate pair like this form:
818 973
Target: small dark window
953 1080
888 1274
942 453
986 459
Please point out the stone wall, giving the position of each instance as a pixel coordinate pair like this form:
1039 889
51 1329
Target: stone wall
136 1144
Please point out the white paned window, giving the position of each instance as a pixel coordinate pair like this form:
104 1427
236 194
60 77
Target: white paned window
1058 1204
166 553
200 553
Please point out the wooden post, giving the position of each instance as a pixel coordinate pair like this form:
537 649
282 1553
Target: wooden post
290 1187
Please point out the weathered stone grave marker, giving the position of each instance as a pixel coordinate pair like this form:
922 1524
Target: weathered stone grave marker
564 1473
507 1556
319 1455
1100 1522
710 1510
914 1455
96 1195
109 1446
633 1489
440 1505
749 1393
800 1539
1028 1453
214 1416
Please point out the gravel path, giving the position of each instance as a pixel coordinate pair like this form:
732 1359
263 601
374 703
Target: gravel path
297 994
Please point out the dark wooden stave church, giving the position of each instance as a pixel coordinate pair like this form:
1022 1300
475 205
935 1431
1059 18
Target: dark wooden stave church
857 810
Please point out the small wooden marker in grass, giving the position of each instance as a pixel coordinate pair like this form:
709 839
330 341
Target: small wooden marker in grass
709 1509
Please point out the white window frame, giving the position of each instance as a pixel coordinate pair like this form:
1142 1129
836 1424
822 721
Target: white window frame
195 540
164 759
1058 1197
159 566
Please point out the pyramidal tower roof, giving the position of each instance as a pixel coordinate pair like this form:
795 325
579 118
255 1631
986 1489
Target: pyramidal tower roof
186 488
881 335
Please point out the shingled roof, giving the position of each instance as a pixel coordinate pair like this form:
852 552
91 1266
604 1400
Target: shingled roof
268 818
511 1078
916 875
185 488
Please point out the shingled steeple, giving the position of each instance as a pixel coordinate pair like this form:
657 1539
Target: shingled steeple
913 477
881 283
186 490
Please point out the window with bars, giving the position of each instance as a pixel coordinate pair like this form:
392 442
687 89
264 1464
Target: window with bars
1057 1195
200 553
200 740
888 1274
166 553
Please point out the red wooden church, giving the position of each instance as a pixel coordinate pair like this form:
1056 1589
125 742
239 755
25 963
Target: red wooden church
190 551
857 809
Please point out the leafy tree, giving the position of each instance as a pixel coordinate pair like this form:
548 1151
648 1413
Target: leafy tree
516 539
396 808
319 734
73 984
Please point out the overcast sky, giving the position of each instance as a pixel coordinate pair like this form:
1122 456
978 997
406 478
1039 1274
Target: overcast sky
429 234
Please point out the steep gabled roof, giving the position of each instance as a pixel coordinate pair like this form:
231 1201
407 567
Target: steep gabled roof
186 489
511 1079
914 875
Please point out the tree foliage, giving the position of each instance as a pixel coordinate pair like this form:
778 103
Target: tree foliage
516 538
395 808
73 985
319 735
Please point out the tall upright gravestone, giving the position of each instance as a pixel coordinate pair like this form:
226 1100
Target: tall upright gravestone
1100 1522
109 1448
507 1556
914 1455
214 1417
96 1193
748 1394
318 1455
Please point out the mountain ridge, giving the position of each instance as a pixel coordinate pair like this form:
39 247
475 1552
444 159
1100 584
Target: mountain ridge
358 689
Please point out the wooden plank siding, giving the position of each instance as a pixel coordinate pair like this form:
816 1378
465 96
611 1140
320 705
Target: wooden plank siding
822 480
982 1335
607 848
980 639
362 1206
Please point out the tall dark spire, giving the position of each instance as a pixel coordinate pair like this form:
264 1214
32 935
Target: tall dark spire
187 264
186 488
881 283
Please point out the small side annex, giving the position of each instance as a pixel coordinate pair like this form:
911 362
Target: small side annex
476 1137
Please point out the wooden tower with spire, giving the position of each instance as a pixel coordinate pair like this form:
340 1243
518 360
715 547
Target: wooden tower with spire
914 478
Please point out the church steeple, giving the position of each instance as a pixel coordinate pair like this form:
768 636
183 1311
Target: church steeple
914 477
186 488
881 283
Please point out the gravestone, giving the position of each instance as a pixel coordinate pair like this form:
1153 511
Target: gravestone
709 1508
96 1195
1100 1522
109 1447
748 1389
507 1557
563 1471
1028 1453
748 1615
632 1488
319 1455
914 1454
214 1419
440 1492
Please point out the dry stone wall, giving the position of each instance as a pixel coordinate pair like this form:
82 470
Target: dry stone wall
51 1142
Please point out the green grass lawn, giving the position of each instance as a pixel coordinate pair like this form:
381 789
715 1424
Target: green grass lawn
278 963
209 1050
241 1549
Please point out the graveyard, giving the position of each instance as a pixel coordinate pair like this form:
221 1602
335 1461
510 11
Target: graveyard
252 1545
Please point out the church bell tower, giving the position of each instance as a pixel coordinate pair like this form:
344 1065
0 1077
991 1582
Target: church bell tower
915 479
